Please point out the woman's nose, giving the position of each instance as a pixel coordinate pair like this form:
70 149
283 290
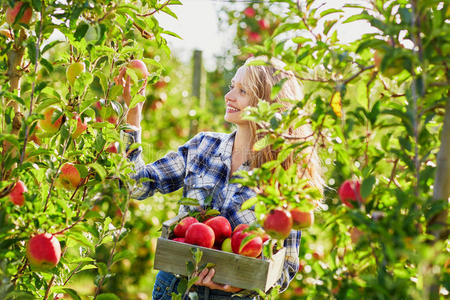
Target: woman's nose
229 96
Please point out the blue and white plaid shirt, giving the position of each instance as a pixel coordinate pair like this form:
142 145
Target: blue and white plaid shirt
202 168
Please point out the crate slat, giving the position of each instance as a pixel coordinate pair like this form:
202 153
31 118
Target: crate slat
236 270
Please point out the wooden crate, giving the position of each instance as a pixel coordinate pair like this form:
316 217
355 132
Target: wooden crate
236 270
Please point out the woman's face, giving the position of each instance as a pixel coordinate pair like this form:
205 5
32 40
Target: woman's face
237 99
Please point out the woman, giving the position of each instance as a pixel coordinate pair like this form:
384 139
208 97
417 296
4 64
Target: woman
207 162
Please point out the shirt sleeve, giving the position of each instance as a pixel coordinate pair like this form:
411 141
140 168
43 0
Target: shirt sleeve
165 175
291 263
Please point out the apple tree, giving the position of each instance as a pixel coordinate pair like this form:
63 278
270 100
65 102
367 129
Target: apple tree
64 174
380 112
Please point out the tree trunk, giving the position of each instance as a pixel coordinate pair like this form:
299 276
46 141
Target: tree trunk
442 179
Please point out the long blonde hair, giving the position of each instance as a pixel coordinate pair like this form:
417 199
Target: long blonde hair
259 80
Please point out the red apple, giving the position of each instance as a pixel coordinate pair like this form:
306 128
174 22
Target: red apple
81 127
160 84
264 236
183 225
254 37
69 176
179 239
240 227
263 24
139 67
249 12
73 71
16 195
106 112
46 124
43 251
226 245
252 248
278 223
221 228
350 191
301 219
113 148
32 135
12 12
200 234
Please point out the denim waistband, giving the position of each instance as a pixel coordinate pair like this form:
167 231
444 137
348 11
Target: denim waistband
205 293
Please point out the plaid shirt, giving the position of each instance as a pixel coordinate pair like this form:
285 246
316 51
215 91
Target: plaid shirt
202 168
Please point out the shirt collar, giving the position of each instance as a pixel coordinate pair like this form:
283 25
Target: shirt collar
226 146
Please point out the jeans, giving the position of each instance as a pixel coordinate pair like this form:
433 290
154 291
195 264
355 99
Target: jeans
166 283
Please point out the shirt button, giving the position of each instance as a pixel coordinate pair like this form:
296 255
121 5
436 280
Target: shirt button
158 288
167 288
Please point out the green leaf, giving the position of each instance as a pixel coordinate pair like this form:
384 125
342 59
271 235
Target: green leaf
121 255
249 203
190 268
182 285
367 186
261 144
357 17
256 62
330 11
246 240
107 296
99 169
137 99
80 32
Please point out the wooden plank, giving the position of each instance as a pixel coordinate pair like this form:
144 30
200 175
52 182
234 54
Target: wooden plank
166 225
236 270
275 268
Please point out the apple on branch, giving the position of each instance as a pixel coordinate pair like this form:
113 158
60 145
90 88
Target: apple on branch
73 71
48 124
81 126
278 223
69 176
301 219
43 251
349 192
139 67
16 195
12 12
106 112
249 12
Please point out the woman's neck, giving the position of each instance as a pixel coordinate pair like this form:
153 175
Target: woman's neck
242 142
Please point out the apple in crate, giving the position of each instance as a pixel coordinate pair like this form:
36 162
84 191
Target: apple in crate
183 225
200 234
221 228
251 248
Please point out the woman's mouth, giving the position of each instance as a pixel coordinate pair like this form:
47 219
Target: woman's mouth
232 109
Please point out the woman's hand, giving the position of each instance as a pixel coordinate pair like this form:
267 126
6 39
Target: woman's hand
134 114
205 279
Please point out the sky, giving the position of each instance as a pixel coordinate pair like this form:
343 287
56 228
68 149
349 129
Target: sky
198 26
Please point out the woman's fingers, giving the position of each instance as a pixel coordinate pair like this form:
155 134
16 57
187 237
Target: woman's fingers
201 276
209 276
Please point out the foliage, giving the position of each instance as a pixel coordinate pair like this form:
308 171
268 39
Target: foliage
377 108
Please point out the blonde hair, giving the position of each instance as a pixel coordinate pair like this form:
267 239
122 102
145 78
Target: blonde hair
258 81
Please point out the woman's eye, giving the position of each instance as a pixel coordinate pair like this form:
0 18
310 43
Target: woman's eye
230 87
242 91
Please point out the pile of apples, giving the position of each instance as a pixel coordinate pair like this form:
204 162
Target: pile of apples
216 233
